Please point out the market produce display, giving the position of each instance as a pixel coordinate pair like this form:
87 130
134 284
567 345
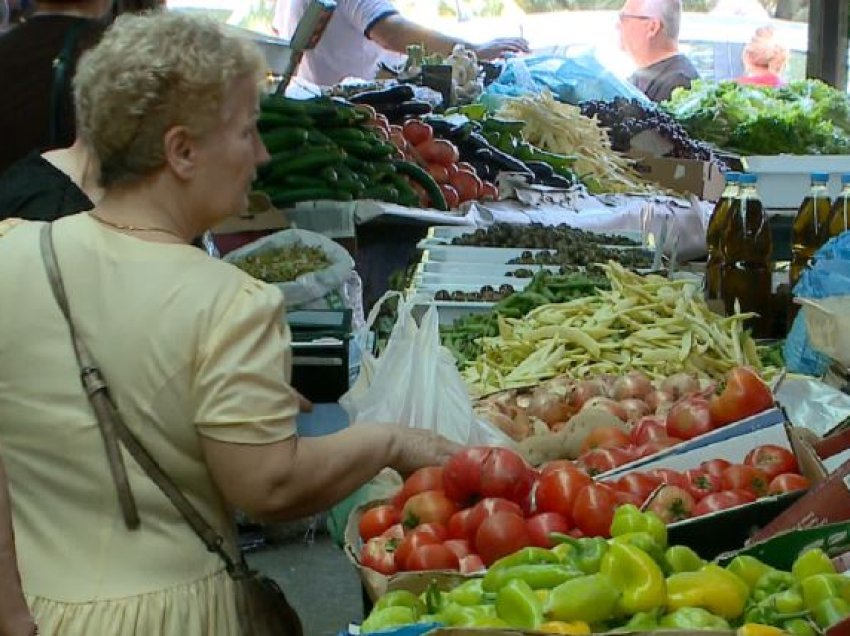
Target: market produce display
562 129
284 264
804 117
632 582
624 119
397 103
325 149
586 254
654 415
645 323
463 337
539 236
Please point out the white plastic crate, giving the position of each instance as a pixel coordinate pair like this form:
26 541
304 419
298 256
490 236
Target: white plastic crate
784 180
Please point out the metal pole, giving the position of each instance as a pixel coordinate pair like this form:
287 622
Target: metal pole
828 41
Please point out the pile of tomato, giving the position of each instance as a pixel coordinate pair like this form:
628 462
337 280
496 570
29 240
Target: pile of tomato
458 180
488 502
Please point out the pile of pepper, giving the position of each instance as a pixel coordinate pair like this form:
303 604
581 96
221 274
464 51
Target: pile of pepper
631 582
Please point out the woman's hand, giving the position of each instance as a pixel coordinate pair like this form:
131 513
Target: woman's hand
497 48
415 448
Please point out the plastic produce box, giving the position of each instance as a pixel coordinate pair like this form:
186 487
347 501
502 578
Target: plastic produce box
784 180
452 282
443 235
476 269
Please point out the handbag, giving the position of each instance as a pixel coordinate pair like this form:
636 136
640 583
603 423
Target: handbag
262 605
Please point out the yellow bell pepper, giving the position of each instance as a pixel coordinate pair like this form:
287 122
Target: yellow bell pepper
757 629
637 577
711 588
579 628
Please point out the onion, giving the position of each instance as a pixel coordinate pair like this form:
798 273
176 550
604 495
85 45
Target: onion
606 404
635 409
561 386
511 427
584 391
654 400
547 406
680 384
632 385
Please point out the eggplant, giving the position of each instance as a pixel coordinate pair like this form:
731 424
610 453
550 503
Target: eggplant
503 161
392 96
410 108
557 181
540 169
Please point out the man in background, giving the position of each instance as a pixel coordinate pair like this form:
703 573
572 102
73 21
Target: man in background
649 34
359 34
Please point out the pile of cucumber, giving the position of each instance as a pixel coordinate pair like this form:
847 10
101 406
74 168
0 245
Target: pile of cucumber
324 149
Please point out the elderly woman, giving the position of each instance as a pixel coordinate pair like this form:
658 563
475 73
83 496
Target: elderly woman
764 59
196 353
15 618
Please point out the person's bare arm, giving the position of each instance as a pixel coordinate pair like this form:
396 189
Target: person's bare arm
15 618
396 33
301 476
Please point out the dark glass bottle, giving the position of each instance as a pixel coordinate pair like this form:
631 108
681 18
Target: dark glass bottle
714 236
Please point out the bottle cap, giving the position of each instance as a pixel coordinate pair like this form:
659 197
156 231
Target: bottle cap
820 177
732 177
749 179
845 179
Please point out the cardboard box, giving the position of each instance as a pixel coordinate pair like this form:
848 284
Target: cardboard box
685 176
260 219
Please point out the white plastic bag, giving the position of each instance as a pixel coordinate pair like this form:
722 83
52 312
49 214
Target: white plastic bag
322 289
415 382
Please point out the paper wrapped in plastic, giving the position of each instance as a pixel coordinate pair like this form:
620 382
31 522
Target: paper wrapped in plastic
415 382
322 289
812 404
828 325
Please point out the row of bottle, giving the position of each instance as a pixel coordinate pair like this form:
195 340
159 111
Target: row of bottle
740 244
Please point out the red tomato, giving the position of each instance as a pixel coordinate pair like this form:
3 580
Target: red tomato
439 172
559 464
787 483
460 547
638 484
461 525
689 418
367 110
431 506
741 477
432 557
465 165
395 531
702 483
468 185
722 500
540 526
501 534
488 472
424 479
450 195
489 506
417 132
376 520
602 460
745 394
380 120
378 555
649 428
471 564
436 530
628 498
772 460
593 510
557 491
651 448
715 467
672 504
489 192
669 477
438 151
605 437
410 542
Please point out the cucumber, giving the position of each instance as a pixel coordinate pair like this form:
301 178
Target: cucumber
299 181
346 134
406 195
284 139
366 150
318 138
425 180
310 161
269 121
285 197
382 193
317 107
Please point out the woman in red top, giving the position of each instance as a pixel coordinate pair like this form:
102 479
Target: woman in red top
764 59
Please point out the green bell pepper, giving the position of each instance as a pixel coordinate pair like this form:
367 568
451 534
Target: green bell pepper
641 622
539 577
637 577
771 583
400 598
819 587
585 554
519 606
748 569
456 615
680 558
643 541
799 627
687 618
811 562
629 518
525 556
777 608
830 611
469 593
592 599
387 618
497 124
712 588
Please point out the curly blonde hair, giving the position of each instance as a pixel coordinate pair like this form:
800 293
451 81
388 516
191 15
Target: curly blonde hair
764 52
148 74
